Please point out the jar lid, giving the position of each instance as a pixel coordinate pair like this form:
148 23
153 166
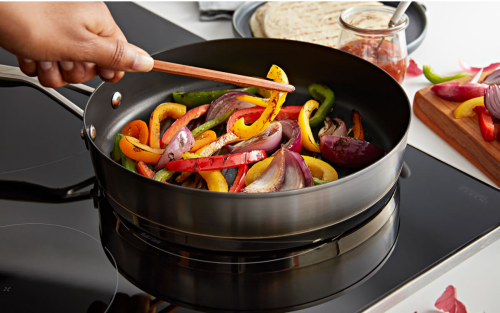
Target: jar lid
372 20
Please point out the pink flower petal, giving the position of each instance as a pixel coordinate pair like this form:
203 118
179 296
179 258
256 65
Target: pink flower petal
473 70
448 302
413 69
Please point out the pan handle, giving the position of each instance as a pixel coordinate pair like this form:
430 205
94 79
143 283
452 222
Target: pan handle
29 192
11 76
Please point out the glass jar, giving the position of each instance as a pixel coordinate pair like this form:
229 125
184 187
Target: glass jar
365 27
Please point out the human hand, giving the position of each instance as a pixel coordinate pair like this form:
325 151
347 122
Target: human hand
68 42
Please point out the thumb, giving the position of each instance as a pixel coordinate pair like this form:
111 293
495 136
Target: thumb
115 54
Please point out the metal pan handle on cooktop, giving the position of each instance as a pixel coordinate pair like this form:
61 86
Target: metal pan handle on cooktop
14 77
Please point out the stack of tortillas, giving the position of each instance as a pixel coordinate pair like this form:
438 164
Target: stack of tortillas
315 22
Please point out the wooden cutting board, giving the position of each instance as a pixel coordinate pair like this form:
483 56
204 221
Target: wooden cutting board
462 134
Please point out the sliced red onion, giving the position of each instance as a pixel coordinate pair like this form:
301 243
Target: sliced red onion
453 91
349 152
271 179
492 101
294 176
474 70
493 78
291 130
269 140
227 102
308 178
182 142
333 127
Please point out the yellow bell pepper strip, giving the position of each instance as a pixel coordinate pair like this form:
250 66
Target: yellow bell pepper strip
262 102
161 112
308 141
204 139
466 108
214 179
137 129
223 140
319 169
275 102
133 149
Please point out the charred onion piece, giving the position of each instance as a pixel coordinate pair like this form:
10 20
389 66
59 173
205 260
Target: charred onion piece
294 176
308 178
182 142
271 179
225 103
291 130
349 152
269 140
333 127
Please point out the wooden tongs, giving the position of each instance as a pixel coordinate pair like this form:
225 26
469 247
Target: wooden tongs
240 80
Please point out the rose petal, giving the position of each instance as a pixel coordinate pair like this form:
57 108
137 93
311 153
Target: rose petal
413 69
473 70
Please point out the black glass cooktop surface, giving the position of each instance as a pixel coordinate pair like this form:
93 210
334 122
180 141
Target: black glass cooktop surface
51 260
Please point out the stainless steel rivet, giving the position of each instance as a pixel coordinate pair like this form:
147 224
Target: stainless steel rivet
116 100
82 133
92 132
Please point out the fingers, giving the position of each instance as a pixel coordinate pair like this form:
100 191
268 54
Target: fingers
27 66
115 54
49 75
77 72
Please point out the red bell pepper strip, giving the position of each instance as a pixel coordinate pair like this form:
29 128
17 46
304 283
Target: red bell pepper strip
144 170
485 123
216 162
252 114
239 181
181 122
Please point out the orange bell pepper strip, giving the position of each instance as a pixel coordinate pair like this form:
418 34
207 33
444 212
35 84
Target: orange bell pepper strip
308 141
137 129
357 128
203 139
275 102
133 149
144 170
181 122
162 112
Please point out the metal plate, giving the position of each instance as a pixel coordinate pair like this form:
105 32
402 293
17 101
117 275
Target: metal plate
415 33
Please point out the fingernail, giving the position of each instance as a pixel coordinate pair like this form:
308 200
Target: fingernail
27 60
142 63
67 65
107 74
45 65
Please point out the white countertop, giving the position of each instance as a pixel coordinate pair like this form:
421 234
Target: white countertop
456 31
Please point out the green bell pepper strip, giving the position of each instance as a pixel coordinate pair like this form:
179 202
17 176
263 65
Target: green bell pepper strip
118 155
318 181
325 95
163 175
437 79
212 123
195 99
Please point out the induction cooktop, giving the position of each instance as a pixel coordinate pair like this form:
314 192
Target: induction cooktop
51 253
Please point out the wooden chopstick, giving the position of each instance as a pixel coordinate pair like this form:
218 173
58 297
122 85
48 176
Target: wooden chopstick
240 80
